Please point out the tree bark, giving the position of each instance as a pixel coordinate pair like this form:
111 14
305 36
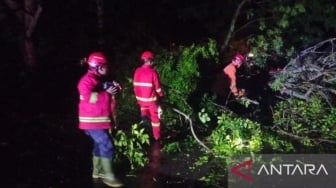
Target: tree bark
31 16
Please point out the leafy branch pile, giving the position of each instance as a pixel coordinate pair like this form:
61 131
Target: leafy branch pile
312 72
296 123
311 123
308 116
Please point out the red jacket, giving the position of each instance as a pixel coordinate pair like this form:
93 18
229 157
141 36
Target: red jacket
94 105
146 85
230 70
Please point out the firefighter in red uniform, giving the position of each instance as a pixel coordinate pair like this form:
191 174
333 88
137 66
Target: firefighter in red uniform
95 117
147 89
230 72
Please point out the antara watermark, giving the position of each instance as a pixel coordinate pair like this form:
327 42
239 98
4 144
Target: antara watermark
292 169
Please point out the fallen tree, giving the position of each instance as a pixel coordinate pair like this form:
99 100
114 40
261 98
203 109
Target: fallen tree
311 72
309 79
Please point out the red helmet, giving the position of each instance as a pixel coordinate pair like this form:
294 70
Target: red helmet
147 55
239 57
96 58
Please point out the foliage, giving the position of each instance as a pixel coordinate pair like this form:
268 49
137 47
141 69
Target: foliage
312 72
310 122
179 146
180 71
235 135
132 145
203 116
128 109
281 27
273 142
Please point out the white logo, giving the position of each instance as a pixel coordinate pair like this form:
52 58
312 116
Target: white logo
292 169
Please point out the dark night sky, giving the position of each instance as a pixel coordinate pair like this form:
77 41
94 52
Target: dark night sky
67 31
37 104
72 24
139 21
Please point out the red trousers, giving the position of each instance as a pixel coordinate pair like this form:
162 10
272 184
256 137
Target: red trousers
151 112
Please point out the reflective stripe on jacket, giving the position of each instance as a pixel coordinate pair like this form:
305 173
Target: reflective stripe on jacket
94 104
146 85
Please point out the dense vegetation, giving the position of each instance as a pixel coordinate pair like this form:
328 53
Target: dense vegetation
297 126
195 117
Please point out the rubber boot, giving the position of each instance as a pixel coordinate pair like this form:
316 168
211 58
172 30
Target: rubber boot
96 168
109 177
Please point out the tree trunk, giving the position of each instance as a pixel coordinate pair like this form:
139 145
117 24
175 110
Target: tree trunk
30 19
28 14
232 26
100 21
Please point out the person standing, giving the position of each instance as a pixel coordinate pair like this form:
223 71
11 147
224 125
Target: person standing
230 73
95 117
147 90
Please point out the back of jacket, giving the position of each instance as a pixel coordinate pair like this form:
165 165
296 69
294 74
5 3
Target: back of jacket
146 85
94 105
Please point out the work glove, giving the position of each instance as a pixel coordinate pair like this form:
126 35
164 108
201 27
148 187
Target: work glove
240 93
